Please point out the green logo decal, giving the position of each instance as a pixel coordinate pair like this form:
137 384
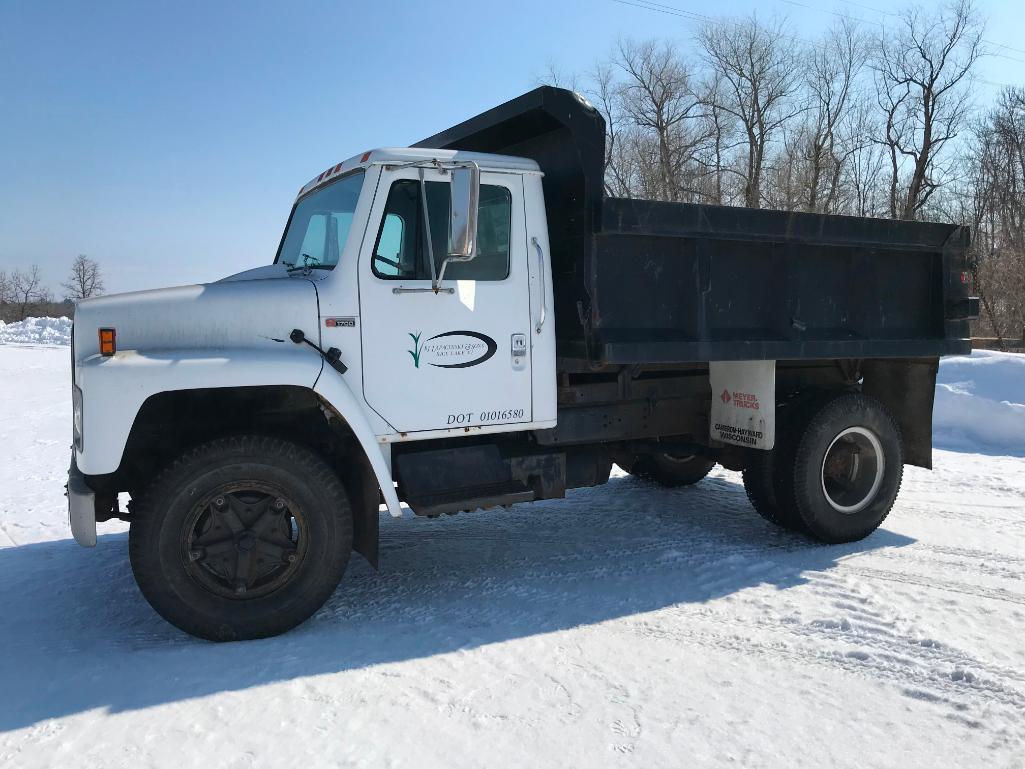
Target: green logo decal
415 352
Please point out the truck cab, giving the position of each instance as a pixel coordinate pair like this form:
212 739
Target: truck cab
415 323
471 323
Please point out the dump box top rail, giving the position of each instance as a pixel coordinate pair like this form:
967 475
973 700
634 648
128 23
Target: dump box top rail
652 282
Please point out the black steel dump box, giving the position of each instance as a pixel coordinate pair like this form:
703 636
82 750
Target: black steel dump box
639 281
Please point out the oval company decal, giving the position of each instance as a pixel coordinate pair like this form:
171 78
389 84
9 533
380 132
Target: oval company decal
452 349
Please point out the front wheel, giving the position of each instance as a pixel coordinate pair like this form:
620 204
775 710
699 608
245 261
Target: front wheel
672 469
241 538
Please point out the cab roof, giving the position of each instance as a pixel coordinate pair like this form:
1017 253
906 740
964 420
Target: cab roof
396 155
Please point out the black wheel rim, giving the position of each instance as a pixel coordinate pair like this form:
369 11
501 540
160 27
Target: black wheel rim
244 540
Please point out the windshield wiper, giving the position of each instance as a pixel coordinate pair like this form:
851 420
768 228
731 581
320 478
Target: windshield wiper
309 263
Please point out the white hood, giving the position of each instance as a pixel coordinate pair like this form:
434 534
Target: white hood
234 313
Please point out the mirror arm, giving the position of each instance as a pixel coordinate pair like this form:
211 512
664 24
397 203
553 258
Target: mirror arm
435 279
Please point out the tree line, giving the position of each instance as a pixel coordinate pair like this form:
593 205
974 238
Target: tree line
866 120
23 292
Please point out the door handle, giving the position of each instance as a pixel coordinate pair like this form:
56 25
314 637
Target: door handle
541 278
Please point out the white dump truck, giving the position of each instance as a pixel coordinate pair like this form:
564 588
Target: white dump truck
472 323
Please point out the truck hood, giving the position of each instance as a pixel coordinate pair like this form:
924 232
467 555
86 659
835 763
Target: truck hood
230 314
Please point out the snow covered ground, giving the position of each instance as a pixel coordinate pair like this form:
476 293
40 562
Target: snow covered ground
48 331
624 626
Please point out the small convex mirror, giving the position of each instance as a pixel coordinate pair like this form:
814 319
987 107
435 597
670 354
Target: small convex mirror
463 216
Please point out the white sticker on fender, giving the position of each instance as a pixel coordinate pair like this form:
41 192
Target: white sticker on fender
743 403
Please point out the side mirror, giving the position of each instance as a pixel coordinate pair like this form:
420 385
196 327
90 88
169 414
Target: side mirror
462 225
462 219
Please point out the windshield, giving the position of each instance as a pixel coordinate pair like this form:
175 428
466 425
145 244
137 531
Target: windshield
320 225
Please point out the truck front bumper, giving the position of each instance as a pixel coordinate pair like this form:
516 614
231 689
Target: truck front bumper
81 507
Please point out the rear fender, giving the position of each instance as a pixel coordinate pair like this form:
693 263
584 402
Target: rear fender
907 387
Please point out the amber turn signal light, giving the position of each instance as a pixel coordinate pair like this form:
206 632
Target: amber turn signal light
108 343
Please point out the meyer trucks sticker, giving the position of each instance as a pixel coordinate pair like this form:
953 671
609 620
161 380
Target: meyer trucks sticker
743 403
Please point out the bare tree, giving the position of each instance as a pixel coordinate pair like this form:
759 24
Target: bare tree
658 97
722 129
554 75
5 289
85 280
760 74
922 70
604 94
27 289
992 203
865 169
833 72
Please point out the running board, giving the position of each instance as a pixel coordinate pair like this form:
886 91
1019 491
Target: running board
452 480
468 500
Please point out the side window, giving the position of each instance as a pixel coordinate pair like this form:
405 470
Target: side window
397 251
494 224
401 248
388 255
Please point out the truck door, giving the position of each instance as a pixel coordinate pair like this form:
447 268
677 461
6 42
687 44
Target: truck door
459 358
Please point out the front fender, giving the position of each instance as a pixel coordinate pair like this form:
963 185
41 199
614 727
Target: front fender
114 388
333 389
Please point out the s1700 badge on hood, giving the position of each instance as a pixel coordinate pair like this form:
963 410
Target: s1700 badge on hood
452 349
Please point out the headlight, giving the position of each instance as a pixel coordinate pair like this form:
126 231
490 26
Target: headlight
76 403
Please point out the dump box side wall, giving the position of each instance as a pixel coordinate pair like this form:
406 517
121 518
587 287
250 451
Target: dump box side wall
678 282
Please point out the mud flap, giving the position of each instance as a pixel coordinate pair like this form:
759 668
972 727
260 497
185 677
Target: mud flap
743 403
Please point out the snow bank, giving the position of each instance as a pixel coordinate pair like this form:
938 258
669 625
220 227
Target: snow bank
36 331
980 403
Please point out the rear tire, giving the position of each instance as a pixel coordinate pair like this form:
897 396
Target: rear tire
759 484
768 489
769 477
671 471
241 538
847 469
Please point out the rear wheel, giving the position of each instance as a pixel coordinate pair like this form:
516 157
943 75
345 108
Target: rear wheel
847 469
769 476
672 469
241 538
760 483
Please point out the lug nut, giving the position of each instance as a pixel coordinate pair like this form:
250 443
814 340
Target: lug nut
219 502
291 557
279 504
195 555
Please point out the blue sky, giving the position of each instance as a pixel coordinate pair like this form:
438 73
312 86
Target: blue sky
167 140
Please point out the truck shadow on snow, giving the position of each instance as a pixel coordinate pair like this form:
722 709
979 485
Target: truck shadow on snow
77 635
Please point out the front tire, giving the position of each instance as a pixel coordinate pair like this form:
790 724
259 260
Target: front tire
671 470
241 538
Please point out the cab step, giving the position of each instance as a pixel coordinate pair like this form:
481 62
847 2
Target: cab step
467 500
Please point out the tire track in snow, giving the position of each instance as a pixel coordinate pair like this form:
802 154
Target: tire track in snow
976 591
911 678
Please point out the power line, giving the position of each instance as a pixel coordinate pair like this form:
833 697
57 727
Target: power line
670 10
892 13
